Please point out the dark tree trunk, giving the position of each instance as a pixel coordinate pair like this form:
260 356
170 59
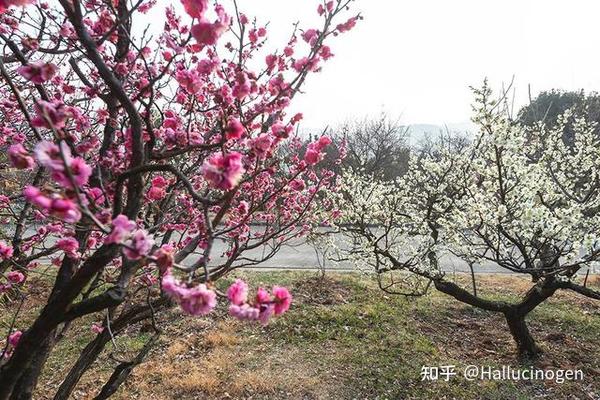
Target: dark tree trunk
526 347
28 381
91 352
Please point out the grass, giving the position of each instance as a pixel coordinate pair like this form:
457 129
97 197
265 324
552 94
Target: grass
345 339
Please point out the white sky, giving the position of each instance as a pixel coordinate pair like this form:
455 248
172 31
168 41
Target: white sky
415 59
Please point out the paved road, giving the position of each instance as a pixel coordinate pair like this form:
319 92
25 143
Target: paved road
301 255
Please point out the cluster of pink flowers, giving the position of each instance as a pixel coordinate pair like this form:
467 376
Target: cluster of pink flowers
328 7
67 171
51 114
38 72
13 342
197 300
164 258
158 189
97 328
348 25
12 278
6 251
70 246
5 4
137 243
224 171
15 277
19 157
205 32
234 129
264 305
261 145
60 207
200 300
314 151
195 8
48 154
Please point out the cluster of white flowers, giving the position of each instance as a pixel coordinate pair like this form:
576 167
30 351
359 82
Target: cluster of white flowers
524 198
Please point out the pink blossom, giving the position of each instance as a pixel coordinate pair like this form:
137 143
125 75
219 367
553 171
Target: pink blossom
238 292
262 145
50 114
122 228
314 150
346 26
242 87
263 307
243 207
6 251
38 72
19 157
158 189
312 156
195 8
323 142
164 258
280 130
5 4
198 300
34 196
325 53
262 296
234 129
138 245
224 172
283 299
305 64
297 184
207 33
15 277
65 209
271 61
48 155
310 36
328 7
80 172
97 328
70 246
189 80
244 312
14 338
156 193
288 51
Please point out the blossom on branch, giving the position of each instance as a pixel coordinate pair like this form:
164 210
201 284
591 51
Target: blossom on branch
197 300
38 72
224 171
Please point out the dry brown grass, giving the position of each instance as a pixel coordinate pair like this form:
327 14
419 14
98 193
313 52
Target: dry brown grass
343 339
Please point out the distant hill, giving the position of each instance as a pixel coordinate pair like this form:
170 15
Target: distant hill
418 132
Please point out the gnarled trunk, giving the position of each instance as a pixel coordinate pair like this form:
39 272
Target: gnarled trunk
28 381
526 347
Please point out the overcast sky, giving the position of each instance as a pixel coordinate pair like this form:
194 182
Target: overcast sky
416 59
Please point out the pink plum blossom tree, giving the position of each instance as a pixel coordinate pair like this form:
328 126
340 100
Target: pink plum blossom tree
137 155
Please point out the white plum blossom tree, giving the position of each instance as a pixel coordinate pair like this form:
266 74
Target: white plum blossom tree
517 197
